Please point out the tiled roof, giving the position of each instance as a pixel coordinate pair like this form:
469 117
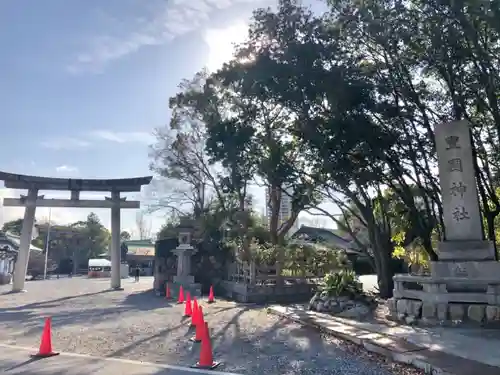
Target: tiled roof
15 242
141 250
326 236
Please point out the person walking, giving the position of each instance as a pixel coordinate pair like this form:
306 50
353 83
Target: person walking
137 273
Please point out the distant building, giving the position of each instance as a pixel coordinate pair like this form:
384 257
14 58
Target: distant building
325 236
285 211
9 248
360 260
141 253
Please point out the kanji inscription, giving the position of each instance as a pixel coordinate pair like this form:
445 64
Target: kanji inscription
460 214
458 189
455 165
452 142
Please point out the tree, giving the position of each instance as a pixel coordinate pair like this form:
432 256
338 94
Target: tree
345 131
179 157
125 236
13 226
94 237
143 226
251 129
342 107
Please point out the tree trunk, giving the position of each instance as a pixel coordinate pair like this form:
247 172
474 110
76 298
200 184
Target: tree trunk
382 252
385 274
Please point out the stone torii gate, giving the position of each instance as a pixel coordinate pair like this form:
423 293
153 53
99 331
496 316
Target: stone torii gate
33 184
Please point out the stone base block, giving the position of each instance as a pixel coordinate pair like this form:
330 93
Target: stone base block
484 270
413 311
188 279
466 250
193 288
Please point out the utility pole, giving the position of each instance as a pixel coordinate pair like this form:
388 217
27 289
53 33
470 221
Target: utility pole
47 242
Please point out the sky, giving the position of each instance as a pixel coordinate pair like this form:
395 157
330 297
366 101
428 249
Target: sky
84 83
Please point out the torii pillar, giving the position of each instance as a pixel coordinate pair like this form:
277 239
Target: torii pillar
116 253
25 241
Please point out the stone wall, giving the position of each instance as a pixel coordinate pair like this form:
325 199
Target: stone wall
415 311
245 293
355 307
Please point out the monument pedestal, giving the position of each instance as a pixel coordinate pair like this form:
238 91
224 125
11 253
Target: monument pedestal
466 250
193 288
464 285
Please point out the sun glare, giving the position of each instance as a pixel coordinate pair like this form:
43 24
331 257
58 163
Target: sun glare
221 43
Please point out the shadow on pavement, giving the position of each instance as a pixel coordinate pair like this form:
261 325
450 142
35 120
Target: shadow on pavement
244 337
53 302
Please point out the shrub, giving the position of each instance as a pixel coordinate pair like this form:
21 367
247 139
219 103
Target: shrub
314 259
342 283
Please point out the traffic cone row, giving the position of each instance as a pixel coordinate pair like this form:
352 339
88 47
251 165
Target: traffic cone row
168 294
202 333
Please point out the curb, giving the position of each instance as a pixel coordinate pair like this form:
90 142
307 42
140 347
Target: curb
411 356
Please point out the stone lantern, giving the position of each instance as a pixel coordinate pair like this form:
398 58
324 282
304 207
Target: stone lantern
184 252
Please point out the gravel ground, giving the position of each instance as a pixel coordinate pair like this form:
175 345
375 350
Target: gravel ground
134 324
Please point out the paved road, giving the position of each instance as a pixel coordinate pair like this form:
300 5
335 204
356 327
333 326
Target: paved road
19 363
134 324
370 283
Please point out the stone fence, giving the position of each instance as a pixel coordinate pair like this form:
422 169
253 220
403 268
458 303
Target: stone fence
249 282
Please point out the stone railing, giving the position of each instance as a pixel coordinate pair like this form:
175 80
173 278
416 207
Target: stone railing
441 299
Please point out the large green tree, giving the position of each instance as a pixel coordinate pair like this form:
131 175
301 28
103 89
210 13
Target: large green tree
13 226
92 238
342 108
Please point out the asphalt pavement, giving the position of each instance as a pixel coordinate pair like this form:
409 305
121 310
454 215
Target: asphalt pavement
17 361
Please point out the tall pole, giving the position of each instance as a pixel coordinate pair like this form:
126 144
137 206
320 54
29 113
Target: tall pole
115 242
47 242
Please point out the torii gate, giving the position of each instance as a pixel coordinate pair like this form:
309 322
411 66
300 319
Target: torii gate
32 200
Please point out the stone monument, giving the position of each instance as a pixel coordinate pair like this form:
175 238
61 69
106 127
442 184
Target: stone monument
464 284
184 252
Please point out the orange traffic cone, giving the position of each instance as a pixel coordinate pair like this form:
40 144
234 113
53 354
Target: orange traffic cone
200 326
46 342
211 298
181 295
188 311
206 357
196 312
168 294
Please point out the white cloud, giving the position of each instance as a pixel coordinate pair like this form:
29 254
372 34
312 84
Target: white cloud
165 21
123 137
88 140
67 170
65 143
221 43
